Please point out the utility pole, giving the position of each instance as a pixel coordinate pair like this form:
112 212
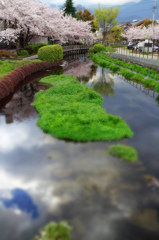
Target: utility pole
154 12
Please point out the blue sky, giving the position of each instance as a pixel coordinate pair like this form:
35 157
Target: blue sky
89 2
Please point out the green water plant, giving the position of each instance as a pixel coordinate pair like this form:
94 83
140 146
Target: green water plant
55 231
125 153
151 73
98 47
109 49
111 63
126 73
69 110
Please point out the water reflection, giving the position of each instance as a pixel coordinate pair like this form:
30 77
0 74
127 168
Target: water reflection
80 68
21 200
103 83
44 179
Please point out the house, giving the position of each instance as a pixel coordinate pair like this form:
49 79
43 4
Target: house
134 23
137 22
124 26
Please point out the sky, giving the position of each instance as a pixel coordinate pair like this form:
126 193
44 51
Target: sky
89 2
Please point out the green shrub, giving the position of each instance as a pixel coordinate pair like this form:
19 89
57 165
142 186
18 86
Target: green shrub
96 43
98 47
33 49
6 54
51 53
91 50
80 43
126 153
109 49
24 53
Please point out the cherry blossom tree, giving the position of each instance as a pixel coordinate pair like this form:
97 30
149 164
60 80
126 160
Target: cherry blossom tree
141 33
30 18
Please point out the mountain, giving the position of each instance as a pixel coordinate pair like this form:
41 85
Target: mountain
129 11
141 10
132 10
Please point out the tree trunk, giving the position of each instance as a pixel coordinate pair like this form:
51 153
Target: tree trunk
17 46
104 36
17 41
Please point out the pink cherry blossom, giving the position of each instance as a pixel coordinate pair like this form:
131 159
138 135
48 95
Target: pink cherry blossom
31 18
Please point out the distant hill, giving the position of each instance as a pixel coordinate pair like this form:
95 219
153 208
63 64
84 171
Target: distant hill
139 10
129 11
132 10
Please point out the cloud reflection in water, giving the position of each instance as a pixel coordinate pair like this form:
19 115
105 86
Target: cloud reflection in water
22 200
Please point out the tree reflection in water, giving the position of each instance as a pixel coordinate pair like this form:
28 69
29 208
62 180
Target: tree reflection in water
17 106
20 108
80 67
103 83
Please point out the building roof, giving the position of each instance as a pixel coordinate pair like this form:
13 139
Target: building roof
136 23
123 24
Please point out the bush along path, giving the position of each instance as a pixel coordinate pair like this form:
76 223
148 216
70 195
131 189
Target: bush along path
113 64
69 110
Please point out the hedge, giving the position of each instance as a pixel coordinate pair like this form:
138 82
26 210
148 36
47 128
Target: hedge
9 82
51 53
33 49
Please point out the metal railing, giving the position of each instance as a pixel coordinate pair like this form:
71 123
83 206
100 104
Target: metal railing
76 47
136 53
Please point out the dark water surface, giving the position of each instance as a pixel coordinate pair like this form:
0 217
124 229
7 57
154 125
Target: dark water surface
102 197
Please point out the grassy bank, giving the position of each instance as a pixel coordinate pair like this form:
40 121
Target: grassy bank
69 110
8 66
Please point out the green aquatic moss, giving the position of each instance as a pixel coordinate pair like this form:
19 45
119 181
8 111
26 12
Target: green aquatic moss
69 110
126 153
107 62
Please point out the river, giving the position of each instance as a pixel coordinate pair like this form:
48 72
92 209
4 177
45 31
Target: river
44 179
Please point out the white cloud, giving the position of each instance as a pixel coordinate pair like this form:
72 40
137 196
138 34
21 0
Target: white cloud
89 2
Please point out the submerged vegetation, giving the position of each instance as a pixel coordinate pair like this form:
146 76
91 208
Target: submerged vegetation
151 73
139 73
126 153
55 231
69 110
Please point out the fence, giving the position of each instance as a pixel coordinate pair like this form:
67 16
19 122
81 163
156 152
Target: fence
122 49
76 47
72 49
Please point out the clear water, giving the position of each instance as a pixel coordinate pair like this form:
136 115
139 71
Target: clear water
44 179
